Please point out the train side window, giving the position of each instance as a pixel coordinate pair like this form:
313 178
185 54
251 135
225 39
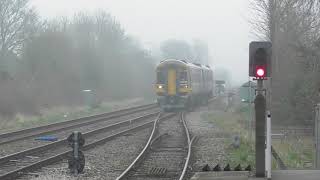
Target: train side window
192 76
196 77
199 77
203 77
206 78
161 78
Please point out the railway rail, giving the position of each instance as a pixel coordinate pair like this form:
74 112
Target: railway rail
15 165
16 145
65 125
166 154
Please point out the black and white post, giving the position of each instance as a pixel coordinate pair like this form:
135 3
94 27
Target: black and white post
317 136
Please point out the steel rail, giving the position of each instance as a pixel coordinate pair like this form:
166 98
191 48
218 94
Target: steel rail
124 173
130 167
189 146
19 172
22 134
64 141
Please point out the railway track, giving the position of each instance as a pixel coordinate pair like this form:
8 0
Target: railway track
65 125
166 154
61 130
17 164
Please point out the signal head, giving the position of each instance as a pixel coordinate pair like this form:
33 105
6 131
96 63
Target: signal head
260 59
260 71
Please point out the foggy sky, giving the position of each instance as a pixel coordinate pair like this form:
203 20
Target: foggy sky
223 24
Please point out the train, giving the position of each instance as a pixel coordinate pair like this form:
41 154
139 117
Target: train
181 85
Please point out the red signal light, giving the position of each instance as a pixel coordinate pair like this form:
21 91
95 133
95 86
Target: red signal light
260 71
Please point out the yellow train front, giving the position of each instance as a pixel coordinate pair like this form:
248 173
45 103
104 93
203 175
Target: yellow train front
181 85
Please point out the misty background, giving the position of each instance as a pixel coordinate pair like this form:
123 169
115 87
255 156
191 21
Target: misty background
50 51
223 25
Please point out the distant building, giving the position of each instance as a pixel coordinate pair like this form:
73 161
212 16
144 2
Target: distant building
247 91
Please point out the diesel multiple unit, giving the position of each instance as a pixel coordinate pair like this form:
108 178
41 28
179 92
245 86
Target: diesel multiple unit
181 85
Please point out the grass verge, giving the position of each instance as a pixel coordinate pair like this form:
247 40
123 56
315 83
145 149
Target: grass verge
60 114
233 122
296 153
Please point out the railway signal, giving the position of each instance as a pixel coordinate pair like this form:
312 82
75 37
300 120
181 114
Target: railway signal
260 59
76 160
260 68
260 71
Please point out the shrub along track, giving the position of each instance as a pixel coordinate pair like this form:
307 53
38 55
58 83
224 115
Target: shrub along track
166 154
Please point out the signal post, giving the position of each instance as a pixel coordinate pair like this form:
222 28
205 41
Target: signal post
260 70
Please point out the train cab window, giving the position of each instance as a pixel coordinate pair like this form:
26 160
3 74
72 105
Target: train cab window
161 77
183 76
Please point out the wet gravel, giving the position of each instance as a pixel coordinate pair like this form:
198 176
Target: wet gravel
20 145
103 162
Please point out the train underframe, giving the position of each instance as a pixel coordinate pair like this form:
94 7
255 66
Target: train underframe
179 102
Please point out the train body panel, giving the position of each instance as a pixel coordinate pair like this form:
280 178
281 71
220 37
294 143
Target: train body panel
180 84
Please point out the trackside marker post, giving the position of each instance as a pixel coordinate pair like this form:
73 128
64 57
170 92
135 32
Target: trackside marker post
268 148
317 136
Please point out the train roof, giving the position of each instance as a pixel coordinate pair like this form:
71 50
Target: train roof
206 67
185 63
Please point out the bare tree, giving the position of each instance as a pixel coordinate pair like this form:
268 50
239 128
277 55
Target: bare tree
177 49
201 51
17 21
293 27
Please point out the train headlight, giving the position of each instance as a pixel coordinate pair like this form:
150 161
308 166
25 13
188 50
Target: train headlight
160 86
185 86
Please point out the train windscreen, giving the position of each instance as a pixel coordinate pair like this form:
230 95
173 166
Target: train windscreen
183 76
161 77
